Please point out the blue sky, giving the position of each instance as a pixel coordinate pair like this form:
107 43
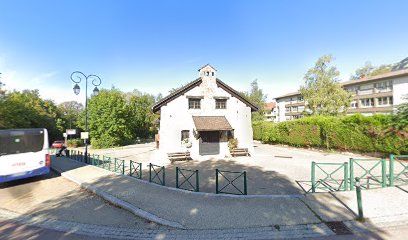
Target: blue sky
154 46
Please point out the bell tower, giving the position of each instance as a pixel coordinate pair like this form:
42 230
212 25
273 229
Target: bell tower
207 72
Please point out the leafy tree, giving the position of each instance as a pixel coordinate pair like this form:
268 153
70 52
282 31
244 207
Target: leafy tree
257 97
72 111
109 119
322 92
368 70
142 115
364 71
26 109
401 117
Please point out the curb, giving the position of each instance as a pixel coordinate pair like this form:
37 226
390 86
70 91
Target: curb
120 203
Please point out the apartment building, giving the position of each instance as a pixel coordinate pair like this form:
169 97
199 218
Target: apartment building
378 94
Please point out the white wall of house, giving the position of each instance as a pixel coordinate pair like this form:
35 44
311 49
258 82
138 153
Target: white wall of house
176 116
400 90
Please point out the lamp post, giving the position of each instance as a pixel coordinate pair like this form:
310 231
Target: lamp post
77 77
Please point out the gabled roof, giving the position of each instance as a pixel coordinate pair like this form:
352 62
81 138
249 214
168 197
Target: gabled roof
197 82
176 94
206 66
211 123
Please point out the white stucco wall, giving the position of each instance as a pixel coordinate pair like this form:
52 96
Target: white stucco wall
176 116
400 90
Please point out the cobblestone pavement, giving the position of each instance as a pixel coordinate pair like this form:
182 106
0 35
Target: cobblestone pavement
97 231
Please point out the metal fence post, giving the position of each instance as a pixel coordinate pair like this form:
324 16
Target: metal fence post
130 167
177 177
197 182
115 165
384 173
150 172
164 176
351 174
359 202
391 170
216 181
245 183
345 176
313 177
140 170
123 167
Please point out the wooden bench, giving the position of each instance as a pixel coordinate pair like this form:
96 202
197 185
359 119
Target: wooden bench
179 156
239 152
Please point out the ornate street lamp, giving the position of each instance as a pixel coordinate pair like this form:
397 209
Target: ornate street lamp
77 77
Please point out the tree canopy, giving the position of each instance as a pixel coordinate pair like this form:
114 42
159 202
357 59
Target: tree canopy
257 97
116 118
322 92
369 70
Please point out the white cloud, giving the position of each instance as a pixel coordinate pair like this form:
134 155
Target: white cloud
43 77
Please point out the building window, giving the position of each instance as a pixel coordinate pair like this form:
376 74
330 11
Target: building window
294 109
287 109
384 101
383 85
185 134
300 99
368 102
194 103
220 103
354 105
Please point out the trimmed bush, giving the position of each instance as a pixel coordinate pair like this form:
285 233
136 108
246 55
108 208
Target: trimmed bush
76 142
349 133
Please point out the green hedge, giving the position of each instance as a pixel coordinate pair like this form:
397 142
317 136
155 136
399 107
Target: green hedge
350 133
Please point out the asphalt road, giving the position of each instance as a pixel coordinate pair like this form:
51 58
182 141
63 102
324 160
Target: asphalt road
53 197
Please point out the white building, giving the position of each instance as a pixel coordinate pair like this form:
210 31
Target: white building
206 112
370 95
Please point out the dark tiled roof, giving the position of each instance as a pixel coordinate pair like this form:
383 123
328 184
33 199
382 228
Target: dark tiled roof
211 123
176 94
197 82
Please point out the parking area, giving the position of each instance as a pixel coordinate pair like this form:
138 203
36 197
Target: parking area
272 170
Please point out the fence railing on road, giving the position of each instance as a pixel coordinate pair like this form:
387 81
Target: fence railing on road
135 169
398 174
330 176
231 182
157 174
372 171
119 166
187 179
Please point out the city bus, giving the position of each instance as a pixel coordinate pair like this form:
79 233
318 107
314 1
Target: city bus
23 153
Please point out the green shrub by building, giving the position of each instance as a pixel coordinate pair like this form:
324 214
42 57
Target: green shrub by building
350 133
75 142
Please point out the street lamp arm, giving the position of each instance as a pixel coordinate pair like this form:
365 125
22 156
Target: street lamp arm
77 76
96 81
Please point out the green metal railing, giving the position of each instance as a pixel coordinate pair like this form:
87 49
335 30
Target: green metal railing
157 174
52 151
398 170
186 175
119 166
135 169
332 178
230 183
373 171
106 162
